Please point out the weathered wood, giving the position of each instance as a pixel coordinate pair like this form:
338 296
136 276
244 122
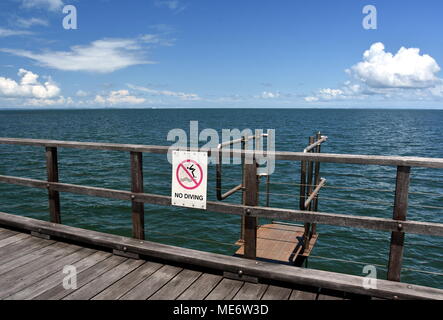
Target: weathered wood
124 285
251 291
201 287
176 286
13 238
59 292
282 155
138 209
250 199
277 293
54 196
152 284
263 270
6 234
11 285
344 220
18 259
104 280
225 290
400 211
303 295
56 278
19 248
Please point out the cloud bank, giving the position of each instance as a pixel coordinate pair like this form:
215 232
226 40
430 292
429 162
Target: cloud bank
406 74
28 86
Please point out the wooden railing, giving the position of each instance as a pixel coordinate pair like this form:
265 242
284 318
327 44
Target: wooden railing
398 225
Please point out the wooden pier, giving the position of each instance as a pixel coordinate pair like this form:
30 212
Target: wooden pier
33 253
32 268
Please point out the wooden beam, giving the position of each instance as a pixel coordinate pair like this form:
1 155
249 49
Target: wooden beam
250 199
280 155
138 208
262 270
54 196
400 211
333 219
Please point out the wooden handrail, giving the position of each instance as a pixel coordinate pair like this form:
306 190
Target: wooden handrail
343 220
279 155
398 225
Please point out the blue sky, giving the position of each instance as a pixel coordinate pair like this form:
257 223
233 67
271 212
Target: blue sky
201 53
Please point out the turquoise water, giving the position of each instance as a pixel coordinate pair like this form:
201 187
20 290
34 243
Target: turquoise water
378 132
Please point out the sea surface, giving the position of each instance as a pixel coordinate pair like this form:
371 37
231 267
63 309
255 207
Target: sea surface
351 189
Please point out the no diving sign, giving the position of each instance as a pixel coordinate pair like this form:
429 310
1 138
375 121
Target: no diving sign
189 179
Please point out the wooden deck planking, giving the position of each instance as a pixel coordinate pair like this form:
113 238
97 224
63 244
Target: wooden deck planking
29 276
303 295
18 259
20 248
225 290
278 242
201 288
83 278
4 233
152 284
34 271
251 291
13 238
277 293
35 259
56 279
122 286
103 281
176 286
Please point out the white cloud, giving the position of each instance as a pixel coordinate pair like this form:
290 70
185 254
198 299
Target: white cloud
60 101
382 75
104 56
9 33
180 95
269 95
28 86
81 93
406 69
118 97
28 23
100 56
52 5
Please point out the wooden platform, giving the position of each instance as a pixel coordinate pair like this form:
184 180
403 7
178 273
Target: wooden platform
280 243
32 268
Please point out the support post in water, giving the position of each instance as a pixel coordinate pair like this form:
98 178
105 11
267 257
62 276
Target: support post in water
400 211
138 208
54 196
250 199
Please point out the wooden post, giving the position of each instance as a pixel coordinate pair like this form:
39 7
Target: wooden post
54 196
400 211
250 199
138 208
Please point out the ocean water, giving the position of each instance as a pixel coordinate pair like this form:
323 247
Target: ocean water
345 250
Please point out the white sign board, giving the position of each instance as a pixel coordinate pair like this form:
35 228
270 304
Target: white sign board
189 179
